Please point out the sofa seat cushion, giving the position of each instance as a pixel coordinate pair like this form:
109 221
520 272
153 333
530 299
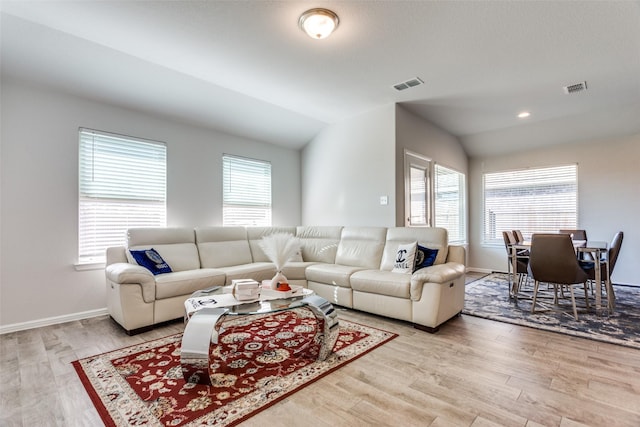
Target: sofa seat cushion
295 270
187 282
333 274
382 283
257 271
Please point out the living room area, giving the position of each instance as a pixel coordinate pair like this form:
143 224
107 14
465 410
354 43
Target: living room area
333 161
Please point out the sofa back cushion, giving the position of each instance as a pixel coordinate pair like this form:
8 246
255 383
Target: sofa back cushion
319 243
175 245
222 246
361 246
429 237
255 235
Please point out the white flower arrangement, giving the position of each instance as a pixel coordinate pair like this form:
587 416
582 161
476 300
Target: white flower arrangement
279 248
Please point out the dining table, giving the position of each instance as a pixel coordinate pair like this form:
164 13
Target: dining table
594 247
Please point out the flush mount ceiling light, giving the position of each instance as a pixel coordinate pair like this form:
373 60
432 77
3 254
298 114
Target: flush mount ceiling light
318 23
524 115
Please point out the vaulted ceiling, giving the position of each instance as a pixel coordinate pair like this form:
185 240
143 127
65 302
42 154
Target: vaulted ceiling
244 67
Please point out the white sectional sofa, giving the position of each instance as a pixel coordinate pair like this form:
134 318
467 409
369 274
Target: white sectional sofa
348 266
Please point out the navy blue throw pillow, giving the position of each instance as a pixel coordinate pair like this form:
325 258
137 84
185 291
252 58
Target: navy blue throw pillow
151 260
587 265
425 257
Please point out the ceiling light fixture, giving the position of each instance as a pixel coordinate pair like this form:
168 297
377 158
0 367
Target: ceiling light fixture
318 23
524 115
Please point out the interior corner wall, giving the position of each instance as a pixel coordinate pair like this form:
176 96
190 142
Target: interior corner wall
608 198
347 168
39 193
416 134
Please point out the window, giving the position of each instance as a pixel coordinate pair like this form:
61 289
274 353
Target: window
418 196
122 185
417 190
435 196
449 203
246 191
531 200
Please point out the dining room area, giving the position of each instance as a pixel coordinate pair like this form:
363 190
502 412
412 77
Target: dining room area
552 265
560 281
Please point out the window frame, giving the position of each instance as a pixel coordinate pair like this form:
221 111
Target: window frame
530 227
417 161
461 205
111 187
247 197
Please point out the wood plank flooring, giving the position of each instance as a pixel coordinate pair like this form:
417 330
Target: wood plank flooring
473 372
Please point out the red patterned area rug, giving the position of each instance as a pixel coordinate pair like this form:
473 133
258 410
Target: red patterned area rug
259 361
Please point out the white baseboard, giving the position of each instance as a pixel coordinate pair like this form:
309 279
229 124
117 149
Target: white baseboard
15 327
479 270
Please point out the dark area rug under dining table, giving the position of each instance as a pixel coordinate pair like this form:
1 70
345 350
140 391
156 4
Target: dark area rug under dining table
488 297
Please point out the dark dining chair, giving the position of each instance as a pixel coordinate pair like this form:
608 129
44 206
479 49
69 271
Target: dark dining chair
522 259
579 235
518 235
553 260
612 257
575 234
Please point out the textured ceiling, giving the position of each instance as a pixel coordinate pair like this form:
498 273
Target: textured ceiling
245 68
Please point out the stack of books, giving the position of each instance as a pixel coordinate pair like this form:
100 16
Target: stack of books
245 289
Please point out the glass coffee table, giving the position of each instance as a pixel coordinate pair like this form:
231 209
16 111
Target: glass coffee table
203 323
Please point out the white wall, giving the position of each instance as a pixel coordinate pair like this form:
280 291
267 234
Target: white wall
39 193
419 136
608 197
346 169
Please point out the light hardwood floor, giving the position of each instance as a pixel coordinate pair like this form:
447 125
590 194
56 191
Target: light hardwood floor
473 372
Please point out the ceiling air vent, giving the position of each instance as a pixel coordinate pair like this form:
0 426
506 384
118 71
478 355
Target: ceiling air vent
578 87
409 83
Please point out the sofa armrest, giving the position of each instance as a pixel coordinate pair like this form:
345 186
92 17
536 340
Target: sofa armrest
116 254
442 274
456 254
122 273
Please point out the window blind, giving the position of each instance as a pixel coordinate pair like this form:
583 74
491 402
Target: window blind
122 183
246 192
418 196
532 200
449 189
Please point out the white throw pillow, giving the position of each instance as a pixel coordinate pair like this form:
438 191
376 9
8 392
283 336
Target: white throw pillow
405 258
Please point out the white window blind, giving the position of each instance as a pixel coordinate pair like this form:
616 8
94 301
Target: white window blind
246 195
418 196
532 200
450 212
122 185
